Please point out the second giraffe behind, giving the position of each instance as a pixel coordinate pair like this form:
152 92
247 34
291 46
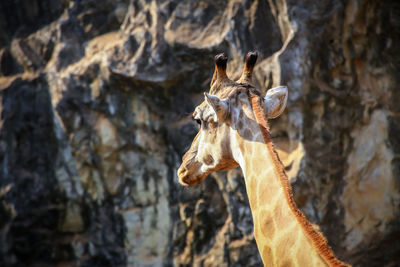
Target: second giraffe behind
234 132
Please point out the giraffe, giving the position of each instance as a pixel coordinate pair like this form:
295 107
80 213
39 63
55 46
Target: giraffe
234 132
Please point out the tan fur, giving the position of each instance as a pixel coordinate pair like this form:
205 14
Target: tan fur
318 239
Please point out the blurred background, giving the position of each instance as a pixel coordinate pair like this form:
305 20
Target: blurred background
95 104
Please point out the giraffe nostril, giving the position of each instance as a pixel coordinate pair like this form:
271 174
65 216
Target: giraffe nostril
183 176
182 172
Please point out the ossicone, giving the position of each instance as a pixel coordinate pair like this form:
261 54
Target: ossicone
247 74
219 72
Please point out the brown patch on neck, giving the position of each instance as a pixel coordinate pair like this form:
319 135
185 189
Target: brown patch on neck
316 237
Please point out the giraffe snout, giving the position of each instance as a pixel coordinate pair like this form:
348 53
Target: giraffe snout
182 172
183 175
189 177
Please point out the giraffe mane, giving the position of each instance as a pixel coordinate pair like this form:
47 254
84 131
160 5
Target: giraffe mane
317 238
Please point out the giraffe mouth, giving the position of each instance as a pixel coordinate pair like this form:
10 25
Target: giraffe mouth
187 179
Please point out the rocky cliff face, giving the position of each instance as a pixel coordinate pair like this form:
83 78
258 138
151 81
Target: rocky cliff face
95 98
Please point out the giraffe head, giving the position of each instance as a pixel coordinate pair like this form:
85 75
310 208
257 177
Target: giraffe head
224 113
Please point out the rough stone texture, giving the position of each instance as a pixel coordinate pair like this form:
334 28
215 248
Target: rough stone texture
95 103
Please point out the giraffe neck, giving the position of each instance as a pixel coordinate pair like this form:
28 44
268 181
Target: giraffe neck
283 234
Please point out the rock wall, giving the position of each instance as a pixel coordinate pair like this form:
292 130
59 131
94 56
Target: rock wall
95 103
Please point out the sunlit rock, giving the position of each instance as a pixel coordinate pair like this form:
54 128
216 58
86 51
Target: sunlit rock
371 193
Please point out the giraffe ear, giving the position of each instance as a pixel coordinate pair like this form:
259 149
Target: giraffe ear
275 101
220 107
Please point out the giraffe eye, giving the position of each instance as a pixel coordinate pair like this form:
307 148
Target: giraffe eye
196 118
